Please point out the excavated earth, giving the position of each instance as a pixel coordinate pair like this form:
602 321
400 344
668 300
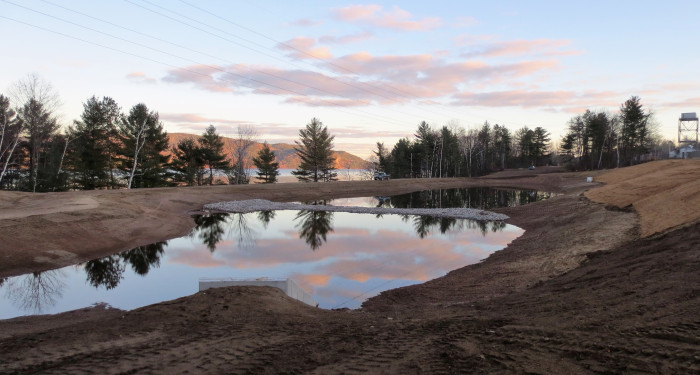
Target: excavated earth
605 279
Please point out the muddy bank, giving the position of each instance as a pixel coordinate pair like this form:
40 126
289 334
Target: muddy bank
580 292
54 230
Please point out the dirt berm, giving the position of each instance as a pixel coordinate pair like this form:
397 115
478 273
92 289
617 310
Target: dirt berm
606 279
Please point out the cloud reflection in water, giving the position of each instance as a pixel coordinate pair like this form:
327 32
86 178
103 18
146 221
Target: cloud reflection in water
337 256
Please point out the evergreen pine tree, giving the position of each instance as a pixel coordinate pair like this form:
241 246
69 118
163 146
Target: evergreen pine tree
268 168
144 142
635 132
187 160
212 152
39 127
315 149
91 144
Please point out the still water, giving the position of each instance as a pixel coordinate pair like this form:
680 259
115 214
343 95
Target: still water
340 258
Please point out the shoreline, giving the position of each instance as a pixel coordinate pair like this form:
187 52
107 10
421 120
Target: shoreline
253 205
586 289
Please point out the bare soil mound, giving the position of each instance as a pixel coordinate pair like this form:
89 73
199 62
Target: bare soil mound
578 293
664 193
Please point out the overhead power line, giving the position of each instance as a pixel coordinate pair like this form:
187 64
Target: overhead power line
337 107
203 53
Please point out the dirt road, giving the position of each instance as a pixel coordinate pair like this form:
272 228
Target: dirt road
580 292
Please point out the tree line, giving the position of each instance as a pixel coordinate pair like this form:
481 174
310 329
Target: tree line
104 149
598 139
453 151
108 148
594 140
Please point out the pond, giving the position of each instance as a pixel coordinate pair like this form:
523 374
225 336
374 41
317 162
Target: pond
340 258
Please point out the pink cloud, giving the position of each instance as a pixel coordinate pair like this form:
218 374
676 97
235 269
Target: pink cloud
305 48
689 103
525 47
396 18
381 79
515 98
196 118
318 102
140 77
401 20
204 76
681 86
353 13
305 22
531 98
485 46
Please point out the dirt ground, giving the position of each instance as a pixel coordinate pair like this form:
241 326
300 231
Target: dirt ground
589 288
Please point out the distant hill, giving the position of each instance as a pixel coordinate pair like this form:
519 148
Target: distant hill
284 152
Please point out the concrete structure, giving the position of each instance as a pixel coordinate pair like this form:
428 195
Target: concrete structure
288 286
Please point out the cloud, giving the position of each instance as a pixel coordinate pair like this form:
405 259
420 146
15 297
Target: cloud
353 13
140 77
396 18
690 104
196 118
204 76
529 99
681 86
514 48
346 39
318 102
305 48
305 22
388 79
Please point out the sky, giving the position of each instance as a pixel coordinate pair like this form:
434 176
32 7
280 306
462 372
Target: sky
370 71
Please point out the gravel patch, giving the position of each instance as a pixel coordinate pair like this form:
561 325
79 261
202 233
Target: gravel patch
252 205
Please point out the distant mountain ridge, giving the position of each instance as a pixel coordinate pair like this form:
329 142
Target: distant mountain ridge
284 152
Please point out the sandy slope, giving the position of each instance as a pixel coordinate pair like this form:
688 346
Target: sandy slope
665 193
580 292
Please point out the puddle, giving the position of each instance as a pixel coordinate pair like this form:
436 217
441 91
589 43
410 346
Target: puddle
340 258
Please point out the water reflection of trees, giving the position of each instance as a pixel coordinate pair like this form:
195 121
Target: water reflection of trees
314 227
423 225
35 292
481 198
109 271
265 217
210 229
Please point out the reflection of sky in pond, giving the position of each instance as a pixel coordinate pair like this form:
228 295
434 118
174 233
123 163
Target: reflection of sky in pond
360 256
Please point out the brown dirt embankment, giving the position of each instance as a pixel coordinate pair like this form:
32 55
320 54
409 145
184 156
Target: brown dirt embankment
578 293
665 194
52 230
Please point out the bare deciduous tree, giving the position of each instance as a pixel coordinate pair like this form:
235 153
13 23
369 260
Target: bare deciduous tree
138 145
33 86
38 291
244 139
